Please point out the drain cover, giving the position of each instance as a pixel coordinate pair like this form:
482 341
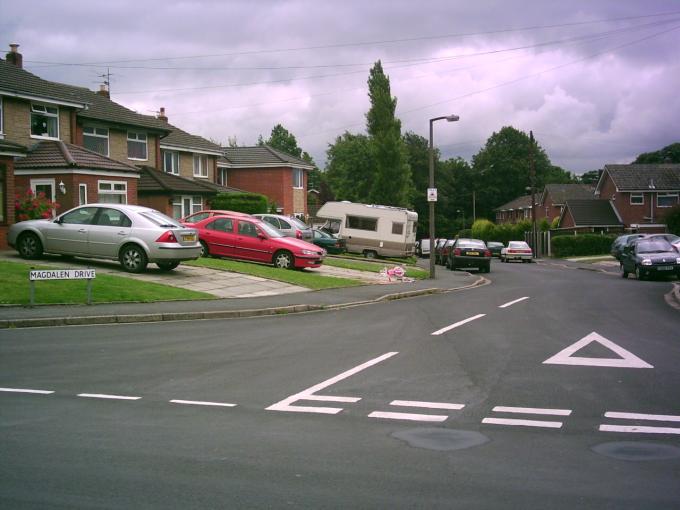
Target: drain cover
441 439
637 451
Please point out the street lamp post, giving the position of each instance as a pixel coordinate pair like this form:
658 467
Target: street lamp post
432 197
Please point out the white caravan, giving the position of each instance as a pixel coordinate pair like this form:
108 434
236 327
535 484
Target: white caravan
372 229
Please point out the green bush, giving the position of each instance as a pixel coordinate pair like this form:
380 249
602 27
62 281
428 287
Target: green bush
251 203
581 245
672 219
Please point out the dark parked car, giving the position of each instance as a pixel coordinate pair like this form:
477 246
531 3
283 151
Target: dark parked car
495 248
330 243
469 253
648 256
620 242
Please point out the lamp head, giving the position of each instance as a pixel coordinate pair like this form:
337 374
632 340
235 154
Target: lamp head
452 118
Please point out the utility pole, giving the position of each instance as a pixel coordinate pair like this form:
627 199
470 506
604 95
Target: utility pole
532 178
474 214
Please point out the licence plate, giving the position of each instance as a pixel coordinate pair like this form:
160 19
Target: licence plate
189 237
665 268
473 253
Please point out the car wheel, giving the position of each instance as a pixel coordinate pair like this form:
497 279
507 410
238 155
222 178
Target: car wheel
29 246
624 273
133 258
167 266
283 260
370 254
639 273
205 252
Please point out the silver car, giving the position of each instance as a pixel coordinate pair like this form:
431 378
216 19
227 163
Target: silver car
289 226
132 234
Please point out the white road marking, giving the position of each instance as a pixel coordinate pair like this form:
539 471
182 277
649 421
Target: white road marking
627 359
330 398
513 302
640 416
200 403
523 423
532 410
460 323
408 416
22 390
635 429
112 397
308 394
428 405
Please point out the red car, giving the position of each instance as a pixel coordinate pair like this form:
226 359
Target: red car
208 213
248 238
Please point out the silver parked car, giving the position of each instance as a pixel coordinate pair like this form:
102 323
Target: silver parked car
289 226
132 234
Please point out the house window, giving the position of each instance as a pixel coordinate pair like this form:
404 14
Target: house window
361 223
96 139
222 177
666 199
112 192
200 166
171 162
82 194
44 121
136 144
397 228
184 205
637 199
298 178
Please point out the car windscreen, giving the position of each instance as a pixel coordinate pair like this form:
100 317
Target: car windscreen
297 223
268 229
471 244
160 219
654 246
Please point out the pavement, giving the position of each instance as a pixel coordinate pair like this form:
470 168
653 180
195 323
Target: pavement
237 295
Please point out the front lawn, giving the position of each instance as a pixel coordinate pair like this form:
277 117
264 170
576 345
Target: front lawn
374 267
14 288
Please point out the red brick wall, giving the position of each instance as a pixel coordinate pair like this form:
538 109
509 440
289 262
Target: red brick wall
7 164
162 203
275 183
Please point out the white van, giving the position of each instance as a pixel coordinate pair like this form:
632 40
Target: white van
373 230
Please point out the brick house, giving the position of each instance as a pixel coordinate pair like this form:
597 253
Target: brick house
514 211
282 178
641 194
554 198
588 215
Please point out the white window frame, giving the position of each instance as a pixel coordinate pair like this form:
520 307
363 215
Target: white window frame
50 182
666 195
180 201
134 136
223 176
35 109
298 178
112 191
82 195
175 162
637 195
201 169
94 134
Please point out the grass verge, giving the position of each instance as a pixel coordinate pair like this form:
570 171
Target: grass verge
15 288
374 267
300 278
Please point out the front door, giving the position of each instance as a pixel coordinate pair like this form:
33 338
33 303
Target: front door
46 187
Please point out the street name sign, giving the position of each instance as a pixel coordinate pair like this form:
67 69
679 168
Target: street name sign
61 274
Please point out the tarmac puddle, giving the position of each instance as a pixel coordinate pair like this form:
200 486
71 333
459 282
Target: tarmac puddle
440 439
637 451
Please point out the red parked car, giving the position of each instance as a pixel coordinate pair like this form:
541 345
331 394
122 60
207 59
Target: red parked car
248 238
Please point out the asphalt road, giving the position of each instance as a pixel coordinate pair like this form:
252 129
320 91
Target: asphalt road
359 408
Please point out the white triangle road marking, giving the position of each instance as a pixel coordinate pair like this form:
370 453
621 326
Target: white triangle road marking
627 359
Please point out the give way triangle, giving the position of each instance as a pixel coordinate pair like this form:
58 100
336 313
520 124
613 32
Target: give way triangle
626 360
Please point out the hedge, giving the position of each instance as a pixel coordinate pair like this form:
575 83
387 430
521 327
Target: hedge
581 245
487 231
251 203
672 219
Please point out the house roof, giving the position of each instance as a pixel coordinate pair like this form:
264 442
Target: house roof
8 148
155 181
589 212
656 177
15 81
58 154
560 193
260 156
180 139
523 202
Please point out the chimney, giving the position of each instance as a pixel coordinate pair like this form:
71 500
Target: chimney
161 115
14 57
103 91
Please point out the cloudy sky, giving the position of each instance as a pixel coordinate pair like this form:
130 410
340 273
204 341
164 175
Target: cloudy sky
597 81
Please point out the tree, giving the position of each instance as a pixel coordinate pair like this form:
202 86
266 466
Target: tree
391 183
590 177
350 168
283 140
669 154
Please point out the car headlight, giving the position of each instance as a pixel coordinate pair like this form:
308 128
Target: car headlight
308 252
646 262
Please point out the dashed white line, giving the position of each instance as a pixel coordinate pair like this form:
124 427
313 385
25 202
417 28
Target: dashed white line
532 410
523 423
25 390
201 403
641 416
111 397
428 405
635 429
457 324
408 416
514 302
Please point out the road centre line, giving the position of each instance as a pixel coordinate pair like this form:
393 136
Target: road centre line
286 403
531 410
104 396
428 405
641 416
523 423
460 323
408 416
201 403
23 390
635 429
513 302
